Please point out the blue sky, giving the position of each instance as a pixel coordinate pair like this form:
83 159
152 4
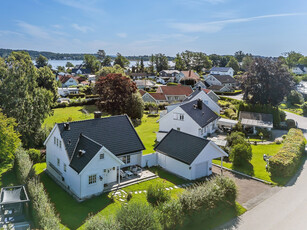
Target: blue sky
137 27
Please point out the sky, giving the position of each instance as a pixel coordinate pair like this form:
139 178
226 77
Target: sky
142 27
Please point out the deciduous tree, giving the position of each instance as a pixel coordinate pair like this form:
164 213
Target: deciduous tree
41 61
46 79
91 63
121 60
233 63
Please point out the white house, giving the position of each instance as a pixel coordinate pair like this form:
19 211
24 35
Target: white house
186 155
222 71
299 69
85 156
67 81
224 80
175 93
207 96
67 91
193 117
200 84
219 88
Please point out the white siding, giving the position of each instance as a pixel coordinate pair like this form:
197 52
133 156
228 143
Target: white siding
149 160
208 101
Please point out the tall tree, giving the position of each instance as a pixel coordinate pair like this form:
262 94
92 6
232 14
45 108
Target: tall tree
215 59
247 62
292 58
91 63
142 67
179 63
41 61
107 61
9 138
46 79
121 60
117 95
161 62
22 98
151 67
69 64
104 71
101 55
303 61
267 82
223 61
233 63
239 55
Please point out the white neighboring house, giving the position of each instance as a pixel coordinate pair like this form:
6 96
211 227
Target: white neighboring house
222 71
299 69
85 156
67 81
208 97
199 84
193 117
224 80
67 91
219 88
186 155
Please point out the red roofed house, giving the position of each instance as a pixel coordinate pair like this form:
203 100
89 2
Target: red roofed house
152 97
188 76
174 93
67 80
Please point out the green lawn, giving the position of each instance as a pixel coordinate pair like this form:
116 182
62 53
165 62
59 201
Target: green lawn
256 168
296 109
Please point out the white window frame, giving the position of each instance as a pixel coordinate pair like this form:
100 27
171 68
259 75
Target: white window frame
60 144
101 156
54 140
58 162
92 179
65 168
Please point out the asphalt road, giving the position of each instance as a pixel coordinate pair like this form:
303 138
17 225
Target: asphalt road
286 209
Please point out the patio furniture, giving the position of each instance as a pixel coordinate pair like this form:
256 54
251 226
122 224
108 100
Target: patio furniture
122 174
128 173
136 170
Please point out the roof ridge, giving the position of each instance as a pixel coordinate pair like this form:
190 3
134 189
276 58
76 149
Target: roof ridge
82 135
91 119
188 134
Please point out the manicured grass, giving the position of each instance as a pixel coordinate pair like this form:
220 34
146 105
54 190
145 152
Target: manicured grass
8 175
296 109
147 132
256 168
74 113
225 214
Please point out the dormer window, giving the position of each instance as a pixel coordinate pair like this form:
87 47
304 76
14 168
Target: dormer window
101 156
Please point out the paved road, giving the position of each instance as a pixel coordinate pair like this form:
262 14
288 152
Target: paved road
238 97
285 210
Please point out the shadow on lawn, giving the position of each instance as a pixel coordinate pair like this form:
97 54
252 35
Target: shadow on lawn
168 176
72 213
247 168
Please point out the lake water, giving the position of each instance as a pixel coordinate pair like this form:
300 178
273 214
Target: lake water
56 63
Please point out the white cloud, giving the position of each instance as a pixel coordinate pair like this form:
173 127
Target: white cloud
84 5
83 29
122 35
8 32
33 30
215 26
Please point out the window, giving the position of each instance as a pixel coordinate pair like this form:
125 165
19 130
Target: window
92 179
175 116
128 159
60 144
58 162
54 140
178 116
181 117
57 142
64 167
101 156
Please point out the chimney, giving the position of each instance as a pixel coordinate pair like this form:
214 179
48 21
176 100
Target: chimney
66 126
97 114
81 152
189 73
199 104
199 88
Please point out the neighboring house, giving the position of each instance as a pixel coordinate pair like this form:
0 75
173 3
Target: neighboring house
85 156
193 117
188 76
222 71
152 97
219 88
142 75
224 80
186 155
67 81
200 84
256 120
67 91
175 93
299 69
170 75
80 69
144 84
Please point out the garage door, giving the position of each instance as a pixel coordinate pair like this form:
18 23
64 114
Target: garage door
201 169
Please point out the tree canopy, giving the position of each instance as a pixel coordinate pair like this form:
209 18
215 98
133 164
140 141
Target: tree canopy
41 61
292 58
267 82
46 79
122 61
233 63
104 71
189 60
91 63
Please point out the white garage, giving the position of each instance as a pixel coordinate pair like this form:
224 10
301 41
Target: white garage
186 155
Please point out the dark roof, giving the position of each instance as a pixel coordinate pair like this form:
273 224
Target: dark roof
220 69
266 117
84 71
216 87
140 74
181 146
116 133
301 67
201 116
196 91
90 149
224 78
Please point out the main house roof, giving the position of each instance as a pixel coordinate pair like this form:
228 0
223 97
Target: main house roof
220 69
116 133
181 146
175 90
192 95
202 116
224 78
190 74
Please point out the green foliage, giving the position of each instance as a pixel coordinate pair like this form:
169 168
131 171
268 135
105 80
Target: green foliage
44 212
91 63
138 216
230 113
233 63
46 80
292 58
304 108
41 61
156 194
286 161
104 71
295 97
172 84
239 55
209 196
101 223
121 61
189 60
9 138
264 133
36 156
69 64
135 107
22 98
235 138
247 62
23 165
161 62
290 123
238 127
171 214
241 153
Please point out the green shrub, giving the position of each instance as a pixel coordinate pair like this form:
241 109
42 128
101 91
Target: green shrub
23 165
100 223
171 214
43 210
129 196
238 127
291 123
304 108
35 156
171 84
295 97
235 138
266 134
240 154
286 161
138 216
230 113
209 195
157 194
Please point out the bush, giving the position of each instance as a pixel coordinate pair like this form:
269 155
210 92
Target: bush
171 214
266 134
43 210
23 165
171 84
304 108
286 161
99 222
295 97
238 127
138 216
290 123
235 138
129 196
230 113
157 194
241 154
36 156
209 196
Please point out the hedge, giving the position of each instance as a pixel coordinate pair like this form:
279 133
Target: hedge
236 92
286 161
